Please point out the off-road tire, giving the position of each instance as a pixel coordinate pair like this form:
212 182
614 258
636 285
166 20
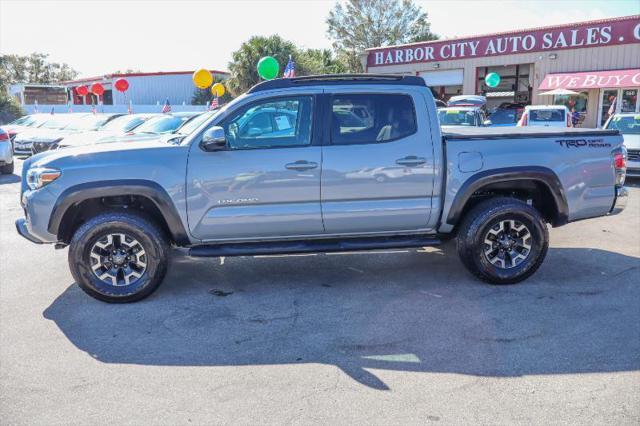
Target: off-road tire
144 230
7 169
482 218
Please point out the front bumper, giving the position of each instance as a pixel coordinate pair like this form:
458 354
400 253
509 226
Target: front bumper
23 229
622 197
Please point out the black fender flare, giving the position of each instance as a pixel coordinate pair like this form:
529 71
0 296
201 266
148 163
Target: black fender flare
539 174
145 188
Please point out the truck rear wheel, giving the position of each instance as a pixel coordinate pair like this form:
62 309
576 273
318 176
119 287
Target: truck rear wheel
118 257
503 240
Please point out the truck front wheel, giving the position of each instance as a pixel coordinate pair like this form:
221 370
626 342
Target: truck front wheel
118 257
502 240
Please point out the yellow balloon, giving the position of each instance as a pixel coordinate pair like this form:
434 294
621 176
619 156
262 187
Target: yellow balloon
217 89
202 78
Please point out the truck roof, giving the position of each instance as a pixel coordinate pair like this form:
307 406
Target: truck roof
339 79
461 132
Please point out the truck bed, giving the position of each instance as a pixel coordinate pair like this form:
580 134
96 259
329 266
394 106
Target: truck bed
521 132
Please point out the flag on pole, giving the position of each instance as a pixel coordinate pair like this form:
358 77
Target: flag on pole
35 106
290 69
93 108
130 109
214 104
70 107
167 107
52 111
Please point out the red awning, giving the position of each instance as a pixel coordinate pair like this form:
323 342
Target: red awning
592 80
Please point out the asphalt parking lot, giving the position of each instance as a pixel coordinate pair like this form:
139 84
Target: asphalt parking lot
392 337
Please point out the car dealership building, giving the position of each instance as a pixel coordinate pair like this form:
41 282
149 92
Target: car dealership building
599 60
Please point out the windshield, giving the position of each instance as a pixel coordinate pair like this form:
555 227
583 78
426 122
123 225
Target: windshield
454 117
628 125
504 116
546 115
191 125
163 124
23 121
89 122
56 123
124 123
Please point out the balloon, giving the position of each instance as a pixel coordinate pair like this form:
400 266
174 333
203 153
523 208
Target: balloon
82 90
202 78
492 79
217 89
97 89
268 68
121 85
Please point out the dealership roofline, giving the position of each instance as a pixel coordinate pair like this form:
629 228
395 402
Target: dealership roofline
551 27
134 74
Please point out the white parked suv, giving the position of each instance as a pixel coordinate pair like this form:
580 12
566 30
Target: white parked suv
629 125
545 116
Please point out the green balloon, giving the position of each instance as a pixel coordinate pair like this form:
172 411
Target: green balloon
268 67
492 79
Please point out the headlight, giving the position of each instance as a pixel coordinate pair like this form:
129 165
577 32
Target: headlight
41 176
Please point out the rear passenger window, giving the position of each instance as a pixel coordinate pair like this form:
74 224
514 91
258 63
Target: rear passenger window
359 119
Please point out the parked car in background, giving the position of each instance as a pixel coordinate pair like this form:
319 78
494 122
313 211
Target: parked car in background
158 125
82 124
629 125
462 116
506 115
23 142
117 127
468 101
545 116
25 122
6 153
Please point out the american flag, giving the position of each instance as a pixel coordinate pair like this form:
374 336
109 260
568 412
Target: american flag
167 107
214 103
94 109
290 70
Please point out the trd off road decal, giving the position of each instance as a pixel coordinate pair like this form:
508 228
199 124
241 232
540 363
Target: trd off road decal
581 143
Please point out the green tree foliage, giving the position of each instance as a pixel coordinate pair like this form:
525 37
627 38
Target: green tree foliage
204 96
10 109
243 67
361 24
34 68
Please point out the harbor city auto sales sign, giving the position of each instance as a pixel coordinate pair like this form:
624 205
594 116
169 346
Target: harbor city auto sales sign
608 32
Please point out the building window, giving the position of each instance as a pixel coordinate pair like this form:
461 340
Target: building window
577 104
514 84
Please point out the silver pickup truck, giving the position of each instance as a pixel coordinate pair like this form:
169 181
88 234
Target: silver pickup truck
318 164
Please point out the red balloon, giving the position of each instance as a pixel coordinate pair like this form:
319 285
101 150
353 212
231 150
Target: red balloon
121 85
97 89
82 90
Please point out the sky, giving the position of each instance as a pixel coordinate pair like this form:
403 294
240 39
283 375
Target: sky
98 37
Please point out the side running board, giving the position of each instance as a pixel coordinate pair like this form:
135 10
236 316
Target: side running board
311 246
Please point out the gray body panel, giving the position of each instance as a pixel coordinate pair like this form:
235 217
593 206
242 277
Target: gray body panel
249 195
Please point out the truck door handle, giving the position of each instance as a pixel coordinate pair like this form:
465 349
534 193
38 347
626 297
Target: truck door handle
411 160
301 165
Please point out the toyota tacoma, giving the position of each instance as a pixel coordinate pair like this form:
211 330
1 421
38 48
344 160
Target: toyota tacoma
319 164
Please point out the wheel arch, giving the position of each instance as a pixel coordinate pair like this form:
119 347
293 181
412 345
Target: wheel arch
522 180
159 205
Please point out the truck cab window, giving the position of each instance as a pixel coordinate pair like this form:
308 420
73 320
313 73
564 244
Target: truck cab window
271 123
366 118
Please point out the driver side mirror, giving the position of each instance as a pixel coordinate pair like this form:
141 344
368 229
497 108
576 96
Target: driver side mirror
214 139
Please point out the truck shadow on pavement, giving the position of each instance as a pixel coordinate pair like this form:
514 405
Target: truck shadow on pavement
411 311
